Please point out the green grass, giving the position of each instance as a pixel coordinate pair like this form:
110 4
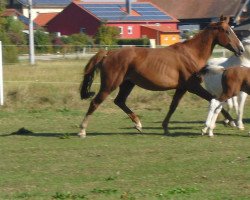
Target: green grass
42 158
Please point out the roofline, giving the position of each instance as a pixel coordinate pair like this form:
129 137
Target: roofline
78 5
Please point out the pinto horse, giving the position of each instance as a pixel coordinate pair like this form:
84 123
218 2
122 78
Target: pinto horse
237 102
223 83
159 69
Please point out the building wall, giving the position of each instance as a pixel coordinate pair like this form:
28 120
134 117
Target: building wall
167 39
36 11
128 30
71 20
162 38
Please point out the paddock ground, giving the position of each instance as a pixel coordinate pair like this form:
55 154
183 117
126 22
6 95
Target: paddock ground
42 158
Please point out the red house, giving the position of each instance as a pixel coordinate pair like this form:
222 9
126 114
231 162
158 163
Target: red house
135 20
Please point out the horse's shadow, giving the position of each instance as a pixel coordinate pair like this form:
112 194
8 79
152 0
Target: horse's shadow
175 131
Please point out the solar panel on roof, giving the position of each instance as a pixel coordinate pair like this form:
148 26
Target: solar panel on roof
114 12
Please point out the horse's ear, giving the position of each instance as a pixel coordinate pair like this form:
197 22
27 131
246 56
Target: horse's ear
225 19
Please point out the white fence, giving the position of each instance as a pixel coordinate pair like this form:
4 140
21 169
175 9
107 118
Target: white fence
49 52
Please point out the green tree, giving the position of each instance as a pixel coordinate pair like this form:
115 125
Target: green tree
80 39
42 41
107 35
14 29
10 52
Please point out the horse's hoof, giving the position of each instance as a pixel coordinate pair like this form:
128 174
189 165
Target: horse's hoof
204 131
138 126
82 134
166 132
241 128
211 135
232 124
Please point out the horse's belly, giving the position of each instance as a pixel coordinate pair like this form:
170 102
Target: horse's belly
152 82
213 84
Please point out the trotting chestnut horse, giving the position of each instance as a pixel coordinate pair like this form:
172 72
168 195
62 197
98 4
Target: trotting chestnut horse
173 67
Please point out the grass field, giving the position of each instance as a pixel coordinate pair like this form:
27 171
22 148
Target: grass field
42 158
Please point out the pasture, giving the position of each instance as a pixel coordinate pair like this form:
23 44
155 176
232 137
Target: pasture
42 158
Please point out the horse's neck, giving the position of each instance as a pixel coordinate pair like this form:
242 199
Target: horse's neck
201 47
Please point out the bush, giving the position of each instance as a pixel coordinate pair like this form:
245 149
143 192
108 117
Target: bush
42 41
107 35
10 52
135 42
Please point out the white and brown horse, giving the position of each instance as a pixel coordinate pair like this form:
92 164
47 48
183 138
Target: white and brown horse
159 69
236 102
223 83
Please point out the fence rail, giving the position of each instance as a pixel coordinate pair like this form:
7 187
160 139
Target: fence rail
52 52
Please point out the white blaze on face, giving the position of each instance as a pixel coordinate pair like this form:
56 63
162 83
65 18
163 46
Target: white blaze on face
240 43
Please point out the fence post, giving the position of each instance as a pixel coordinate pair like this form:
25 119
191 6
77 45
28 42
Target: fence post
1 74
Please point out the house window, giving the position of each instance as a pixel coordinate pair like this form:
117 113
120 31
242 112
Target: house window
130 30
121 30
82 30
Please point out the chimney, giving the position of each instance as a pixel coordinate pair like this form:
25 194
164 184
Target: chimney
128 6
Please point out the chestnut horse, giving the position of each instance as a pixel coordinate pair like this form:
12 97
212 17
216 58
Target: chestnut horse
223 83
159 69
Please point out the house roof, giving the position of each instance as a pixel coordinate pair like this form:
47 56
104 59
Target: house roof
161 28
10 12
43 18
20 16
113 12
194 9
46 3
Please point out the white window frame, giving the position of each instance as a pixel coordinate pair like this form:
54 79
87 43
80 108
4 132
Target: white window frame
130 30
121 30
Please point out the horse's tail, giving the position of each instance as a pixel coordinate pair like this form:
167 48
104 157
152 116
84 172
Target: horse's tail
211 69
89 73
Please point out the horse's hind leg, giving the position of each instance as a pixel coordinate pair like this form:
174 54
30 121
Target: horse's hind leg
99 98
125 89
242 101
175 101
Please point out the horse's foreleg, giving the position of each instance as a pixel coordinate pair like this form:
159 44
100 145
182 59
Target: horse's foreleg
212 107
125 89
216 107
242 100
99 98
201 92
175 101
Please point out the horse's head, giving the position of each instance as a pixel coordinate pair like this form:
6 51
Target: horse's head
226 37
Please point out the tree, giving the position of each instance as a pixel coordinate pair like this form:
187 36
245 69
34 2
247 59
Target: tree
10 52
14 29
42 41
107 35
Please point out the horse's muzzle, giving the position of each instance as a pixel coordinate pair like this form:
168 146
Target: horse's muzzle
240 50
